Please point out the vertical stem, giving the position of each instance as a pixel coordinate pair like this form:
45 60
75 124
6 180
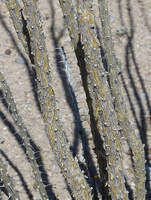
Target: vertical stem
133 139
104 121
70 19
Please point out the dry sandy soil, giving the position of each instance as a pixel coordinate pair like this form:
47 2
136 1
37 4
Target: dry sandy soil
131 31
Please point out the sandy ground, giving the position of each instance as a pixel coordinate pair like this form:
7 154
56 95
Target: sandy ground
131 31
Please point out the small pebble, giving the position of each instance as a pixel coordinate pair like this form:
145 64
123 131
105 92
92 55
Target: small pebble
5 128
8 52
142 96
2 140
20 60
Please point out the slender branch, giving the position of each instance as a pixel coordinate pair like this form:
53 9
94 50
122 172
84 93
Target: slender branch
69 166
100 105
70 17
133 139
24 135
7 182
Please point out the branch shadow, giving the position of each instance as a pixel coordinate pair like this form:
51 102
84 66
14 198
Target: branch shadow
104 191
140 120
37 154
79 132
29 70
105 65
11 127
69 93
70 96
28 192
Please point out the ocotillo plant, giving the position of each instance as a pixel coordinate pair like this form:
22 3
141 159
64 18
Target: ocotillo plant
108 119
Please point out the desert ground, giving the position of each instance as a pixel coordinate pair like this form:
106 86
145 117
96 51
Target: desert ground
131 31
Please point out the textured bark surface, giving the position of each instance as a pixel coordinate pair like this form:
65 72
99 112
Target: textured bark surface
67 115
